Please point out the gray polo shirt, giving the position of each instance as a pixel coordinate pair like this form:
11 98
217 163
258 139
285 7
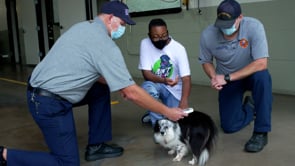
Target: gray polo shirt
78 58
231 56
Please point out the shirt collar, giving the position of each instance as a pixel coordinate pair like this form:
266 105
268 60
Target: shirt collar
100 23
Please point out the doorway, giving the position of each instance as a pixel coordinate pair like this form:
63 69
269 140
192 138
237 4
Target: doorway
31 27
9 36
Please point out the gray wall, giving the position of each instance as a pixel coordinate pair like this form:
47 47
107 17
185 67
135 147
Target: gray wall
277 17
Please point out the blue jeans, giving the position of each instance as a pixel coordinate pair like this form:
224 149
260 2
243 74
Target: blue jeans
159 92
234 115
55 119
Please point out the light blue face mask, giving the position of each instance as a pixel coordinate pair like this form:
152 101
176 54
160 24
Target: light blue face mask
229 31
117 34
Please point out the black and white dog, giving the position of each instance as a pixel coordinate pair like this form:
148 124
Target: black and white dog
196 133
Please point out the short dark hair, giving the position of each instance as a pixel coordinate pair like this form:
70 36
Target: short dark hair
156 22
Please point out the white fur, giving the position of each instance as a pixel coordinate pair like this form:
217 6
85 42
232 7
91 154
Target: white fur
204 157
168 137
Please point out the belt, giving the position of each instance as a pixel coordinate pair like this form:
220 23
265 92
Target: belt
43 92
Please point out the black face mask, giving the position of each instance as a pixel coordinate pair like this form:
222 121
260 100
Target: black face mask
160 44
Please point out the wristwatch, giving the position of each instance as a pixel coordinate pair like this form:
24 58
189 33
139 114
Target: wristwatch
227 78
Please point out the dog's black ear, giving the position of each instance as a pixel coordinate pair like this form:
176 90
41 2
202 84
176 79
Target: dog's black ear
157 126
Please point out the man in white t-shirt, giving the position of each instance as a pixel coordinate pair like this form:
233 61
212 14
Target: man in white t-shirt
165 68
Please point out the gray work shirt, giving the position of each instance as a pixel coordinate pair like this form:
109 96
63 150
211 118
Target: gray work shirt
78 58
231 56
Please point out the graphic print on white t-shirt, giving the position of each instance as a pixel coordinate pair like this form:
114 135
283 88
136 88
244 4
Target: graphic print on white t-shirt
163 67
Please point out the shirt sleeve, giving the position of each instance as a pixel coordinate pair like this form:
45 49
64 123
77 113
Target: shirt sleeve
258 41
114 70
144 60
204 56
184 67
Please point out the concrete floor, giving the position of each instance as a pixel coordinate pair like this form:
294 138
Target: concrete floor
18 130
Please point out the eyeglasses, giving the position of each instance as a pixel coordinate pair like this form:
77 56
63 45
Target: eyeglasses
157 37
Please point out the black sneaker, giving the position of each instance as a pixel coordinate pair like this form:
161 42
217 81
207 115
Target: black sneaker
146 119
256 142
101 151
2 161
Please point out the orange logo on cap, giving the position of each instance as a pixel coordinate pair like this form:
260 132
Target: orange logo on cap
244 43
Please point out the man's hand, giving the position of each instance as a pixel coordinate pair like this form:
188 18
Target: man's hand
217 82
175 114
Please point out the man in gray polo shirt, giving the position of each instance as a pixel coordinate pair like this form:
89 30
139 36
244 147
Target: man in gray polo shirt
82 67
239 46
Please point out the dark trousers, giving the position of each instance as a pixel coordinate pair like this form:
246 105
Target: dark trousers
234 115
55 119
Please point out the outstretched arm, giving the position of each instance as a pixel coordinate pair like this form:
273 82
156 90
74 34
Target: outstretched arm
143 99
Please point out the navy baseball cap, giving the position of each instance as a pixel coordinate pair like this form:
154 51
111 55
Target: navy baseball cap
227 12
118 9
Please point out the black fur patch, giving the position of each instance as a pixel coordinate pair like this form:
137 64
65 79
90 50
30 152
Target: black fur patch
199 130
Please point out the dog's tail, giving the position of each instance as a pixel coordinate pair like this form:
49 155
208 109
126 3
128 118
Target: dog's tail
209 142
212 137
203 158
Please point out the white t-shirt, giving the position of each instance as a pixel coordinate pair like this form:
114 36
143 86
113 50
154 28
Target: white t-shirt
169 62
